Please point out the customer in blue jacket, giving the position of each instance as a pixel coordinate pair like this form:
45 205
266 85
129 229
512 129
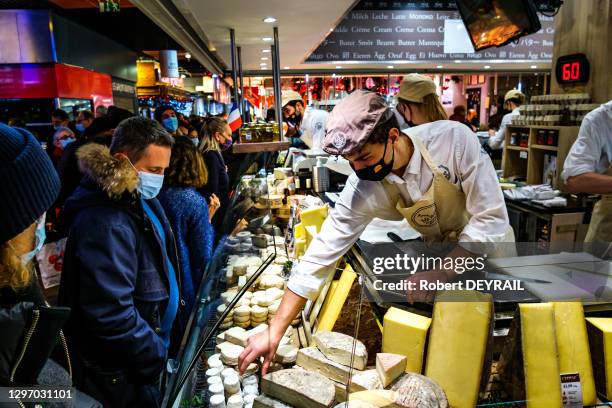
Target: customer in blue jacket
189 216
120 274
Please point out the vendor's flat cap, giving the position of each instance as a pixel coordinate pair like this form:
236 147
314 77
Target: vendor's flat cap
350 123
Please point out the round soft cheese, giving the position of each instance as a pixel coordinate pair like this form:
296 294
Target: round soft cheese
214 380
235 401
217 400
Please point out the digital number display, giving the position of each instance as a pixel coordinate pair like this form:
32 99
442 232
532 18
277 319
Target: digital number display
573 69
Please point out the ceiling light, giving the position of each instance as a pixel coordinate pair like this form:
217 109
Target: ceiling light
269 20
264 58
457 61
265 50
183 76
267 39
439 66
534 66
487 66
263 64
331 29
390 66
285 67
338 66
187 55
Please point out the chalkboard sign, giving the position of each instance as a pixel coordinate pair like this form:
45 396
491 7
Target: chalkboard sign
416 35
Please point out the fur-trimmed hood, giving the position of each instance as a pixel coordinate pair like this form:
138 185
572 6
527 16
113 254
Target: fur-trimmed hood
115 176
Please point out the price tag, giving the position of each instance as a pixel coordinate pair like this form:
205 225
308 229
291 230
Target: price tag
571 390
523 155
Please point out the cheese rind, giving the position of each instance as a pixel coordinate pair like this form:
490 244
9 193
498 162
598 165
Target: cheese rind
389 367
600 341
335 300
405 333
459 339
311 359
300 388
573 346
366 380
378 398
338 347
423 391
540 359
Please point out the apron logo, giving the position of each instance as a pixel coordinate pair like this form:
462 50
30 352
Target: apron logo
425 216
446 171
339 141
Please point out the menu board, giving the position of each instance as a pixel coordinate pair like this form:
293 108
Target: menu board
408 32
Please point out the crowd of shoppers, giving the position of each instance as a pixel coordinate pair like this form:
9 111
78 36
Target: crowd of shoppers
139 204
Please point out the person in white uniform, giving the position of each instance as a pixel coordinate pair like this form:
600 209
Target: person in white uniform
305 123
513 100
434 175
588 169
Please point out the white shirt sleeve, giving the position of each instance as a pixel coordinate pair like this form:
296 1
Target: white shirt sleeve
585 154
339 232
484 198
496 142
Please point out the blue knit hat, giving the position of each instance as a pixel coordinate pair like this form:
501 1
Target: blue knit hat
28 182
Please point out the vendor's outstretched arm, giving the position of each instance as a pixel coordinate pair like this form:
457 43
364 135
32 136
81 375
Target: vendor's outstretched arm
339 232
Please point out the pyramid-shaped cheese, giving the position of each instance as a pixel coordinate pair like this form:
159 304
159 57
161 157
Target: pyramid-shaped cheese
389 367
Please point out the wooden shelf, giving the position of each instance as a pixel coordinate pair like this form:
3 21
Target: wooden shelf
260 147
531 167
544 147
543 127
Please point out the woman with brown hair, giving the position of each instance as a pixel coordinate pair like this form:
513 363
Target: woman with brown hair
189 216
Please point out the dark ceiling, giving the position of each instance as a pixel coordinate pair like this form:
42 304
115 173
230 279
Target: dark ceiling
129 27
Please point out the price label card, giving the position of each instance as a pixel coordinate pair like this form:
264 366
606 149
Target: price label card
523 155
571 390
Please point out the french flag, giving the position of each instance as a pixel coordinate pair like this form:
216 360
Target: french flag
234 119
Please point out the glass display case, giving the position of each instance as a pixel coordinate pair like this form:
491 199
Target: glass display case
238 262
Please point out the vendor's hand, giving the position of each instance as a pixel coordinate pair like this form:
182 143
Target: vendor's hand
262 344
213 205
425 295
240 226
492 132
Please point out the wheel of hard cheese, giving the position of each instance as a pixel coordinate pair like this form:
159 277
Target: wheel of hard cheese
418 391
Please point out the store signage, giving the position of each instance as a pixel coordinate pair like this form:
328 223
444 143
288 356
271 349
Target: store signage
168 63
417 35
573 69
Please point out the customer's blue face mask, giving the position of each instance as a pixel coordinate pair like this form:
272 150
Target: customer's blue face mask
65 143
41 235
195 141
170 124
150 184
80 127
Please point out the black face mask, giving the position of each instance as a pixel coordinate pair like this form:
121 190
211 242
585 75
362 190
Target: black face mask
295 119
378 171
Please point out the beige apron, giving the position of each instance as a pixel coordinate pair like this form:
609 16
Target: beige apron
440 214
600 228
